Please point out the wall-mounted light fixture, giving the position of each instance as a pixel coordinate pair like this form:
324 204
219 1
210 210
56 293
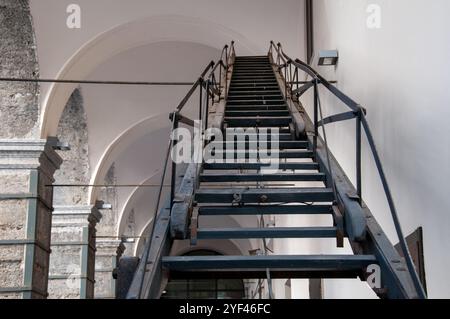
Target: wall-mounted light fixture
102 205
56 144
328 57
128 240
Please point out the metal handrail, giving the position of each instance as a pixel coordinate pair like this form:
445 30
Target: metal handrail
360 114
206 80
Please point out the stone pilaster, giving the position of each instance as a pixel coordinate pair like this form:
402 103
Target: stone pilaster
109 251
26 175
72 262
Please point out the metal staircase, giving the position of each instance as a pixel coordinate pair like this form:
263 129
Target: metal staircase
253 99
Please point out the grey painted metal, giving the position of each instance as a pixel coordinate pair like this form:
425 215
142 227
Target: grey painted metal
303 89
216 178
261 143
254 154
242 273
338 118
182 204
271 232
281 166
264 113
148 281
265 137
292 262
271 195
256 102
258 120
266 210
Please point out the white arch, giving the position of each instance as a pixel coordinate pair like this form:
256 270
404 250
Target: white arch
127 36
116 147
130 198
224 247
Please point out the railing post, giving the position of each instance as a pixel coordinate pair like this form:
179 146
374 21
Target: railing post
285 82
278 53
220 77
358 157
174 165
226 82
207 104
200 106
226 57
316 114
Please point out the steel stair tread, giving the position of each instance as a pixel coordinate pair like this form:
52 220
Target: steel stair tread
299 262
249 166
271 232
266 195
261 177
315 209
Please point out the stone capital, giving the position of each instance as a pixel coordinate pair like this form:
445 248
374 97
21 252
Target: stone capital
29 154
80 215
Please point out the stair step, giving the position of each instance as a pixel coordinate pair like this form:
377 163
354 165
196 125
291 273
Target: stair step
263 113
266 107
263 143
272 195
272 80
259 97
251 77
254 93
258 121
251 57
272 232
255 89
261 66
281 266
252 65
263 154
255 69
257 166
256 102
261 129
216 178
252 83
254 72
266 210
263 137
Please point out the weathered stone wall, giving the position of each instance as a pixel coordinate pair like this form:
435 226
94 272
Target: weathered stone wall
108 226
72 261
75 169
26 171
19 108
109 247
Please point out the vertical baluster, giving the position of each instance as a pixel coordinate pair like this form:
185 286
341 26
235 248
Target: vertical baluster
174 165
316 115
358 157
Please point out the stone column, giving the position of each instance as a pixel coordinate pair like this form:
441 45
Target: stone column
72 262
109 251
26 175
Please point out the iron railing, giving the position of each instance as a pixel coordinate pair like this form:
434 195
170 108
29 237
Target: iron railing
210 90
292 87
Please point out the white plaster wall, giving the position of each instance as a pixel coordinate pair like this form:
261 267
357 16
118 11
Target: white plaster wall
400 73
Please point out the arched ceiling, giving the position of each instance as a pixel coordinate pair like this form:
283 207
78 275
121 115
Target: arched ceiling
148 41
